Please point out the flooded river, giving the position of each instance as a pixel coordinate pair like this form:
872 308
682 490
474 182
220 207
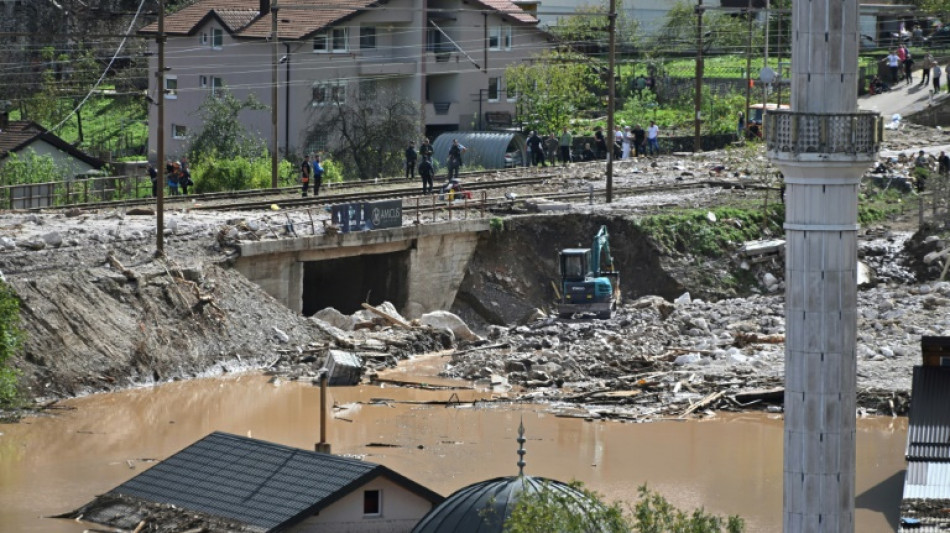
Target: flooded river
729 465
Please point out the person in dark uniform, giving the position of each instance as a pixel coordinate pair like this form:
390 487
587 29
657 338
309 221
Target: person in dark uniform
305 171
411 161
427 171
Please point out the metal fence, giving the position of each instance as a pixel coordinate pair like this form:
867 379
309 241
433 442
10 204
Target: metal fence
72 192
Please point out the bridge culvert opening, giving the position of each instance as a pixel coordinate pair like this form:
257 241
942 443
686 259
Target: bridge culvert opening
347 282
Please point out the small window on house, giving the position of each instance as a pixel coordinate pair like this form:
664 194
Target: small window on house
494 38
320 43
203 82
506 37
334 40
171 87
372 503
203 39
367 90
179 131
217 38
493 89
338 92
217 86
328 93
367 37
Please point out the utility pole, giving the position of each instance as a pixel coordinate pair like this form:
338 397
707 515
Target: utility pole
748 67
273 96
611 63
160 184
700 67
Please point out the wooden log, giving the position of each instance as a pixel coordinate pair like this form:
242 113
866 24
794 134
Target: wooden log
702 403
386 316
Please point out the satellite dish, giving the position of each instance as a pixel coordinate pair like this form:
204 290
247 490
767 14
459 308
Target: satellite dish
767 75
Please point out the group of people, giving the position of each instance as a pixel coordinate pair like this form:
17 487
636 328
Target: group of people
923 161
636 141
311 169
177 177
900 63
427 169
548 150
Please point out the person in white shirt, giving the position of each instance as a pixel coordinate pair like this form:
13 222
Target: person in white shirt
653 139
893 64
618 141
626 141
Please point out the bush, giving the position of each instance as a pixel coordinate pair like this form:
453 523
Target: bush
31 168
212 174
10 339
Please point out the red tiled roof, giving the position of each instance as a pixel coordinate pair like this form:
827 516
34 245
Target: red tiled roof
17 134
243 19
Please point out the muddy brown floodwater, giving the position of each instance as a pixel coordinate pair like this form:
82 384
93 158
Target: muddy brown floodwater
729 464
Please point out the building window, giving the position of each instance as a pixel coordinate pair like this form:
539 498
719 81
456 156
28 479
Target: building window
493 89
171 87
217 86
203 39
179 131
331 41
331 92
367 90
203 82
499 38
372 503
367 37
217 38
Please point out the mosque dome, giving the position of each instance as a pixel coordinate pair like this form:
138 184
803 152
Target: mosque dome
483 507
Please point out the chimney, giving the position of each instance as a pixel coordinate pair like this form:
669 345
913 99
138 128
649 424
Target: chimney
265 7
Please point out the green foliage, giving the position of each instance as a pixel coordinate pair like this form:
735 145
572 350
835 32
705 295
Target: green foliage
496 224
654 514
31 168
223 135
213 174
722 32
692 232
10 339
332 171
552 88
587 29
548 510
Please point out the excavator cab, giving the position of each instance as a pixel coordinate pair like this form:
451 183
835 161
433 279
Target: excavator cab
582 289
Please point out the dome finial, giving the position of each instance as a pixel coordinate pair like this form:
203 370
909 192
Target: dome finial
521 450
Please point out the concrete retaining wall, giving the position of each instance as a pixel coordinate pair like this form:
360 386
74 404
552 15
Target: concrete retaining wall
438 256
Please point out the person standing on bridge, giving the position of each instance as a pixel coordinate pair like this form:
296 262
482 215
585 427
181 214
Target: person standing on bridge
455 159
305 171
427 171
411 161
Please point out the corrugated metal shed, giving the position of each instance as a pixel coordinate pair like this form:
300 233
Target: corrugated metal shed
927 480
928 427
483 507
254 482
484 149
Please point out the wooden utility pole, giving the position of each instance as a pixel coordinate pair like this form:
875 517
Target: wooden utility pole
273 96
160 184
748 68
611 89
700 67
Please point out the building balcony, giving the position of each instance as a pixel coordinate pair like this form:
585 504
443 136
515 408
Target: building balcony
381 66
823 136
447 63
442 112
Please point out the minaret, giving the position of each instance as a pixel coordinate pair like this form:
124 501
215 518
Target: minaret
823 145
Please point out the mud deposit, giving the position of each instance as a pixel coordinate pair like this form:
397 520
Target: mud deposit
730 464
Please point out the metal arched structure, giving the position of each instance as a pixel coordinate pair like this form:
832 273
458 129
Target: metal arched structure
484 149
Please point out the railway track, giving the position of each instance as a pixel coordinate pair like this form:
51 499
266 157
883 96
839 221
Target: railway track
405 192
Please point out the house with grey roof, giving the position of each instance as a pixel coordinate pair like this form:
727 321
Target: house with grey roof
23 136
927 481
226 482
447 56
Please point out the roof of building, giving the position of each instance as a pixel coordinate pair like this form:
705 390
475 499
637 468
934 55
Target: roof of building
928 426
254 482
243 18
19 134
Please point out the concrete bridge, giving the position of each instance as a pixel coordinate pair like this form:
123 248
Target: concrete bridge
418 268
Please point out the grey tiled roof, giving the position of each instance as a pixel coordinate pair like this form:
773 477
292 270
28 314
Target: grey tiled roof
256 482
928 427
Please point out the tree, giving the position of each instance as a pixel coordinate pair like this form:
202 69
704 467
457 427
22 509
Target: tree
551 88
10 339
722 32
367 135
223 134
549 511
587 30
